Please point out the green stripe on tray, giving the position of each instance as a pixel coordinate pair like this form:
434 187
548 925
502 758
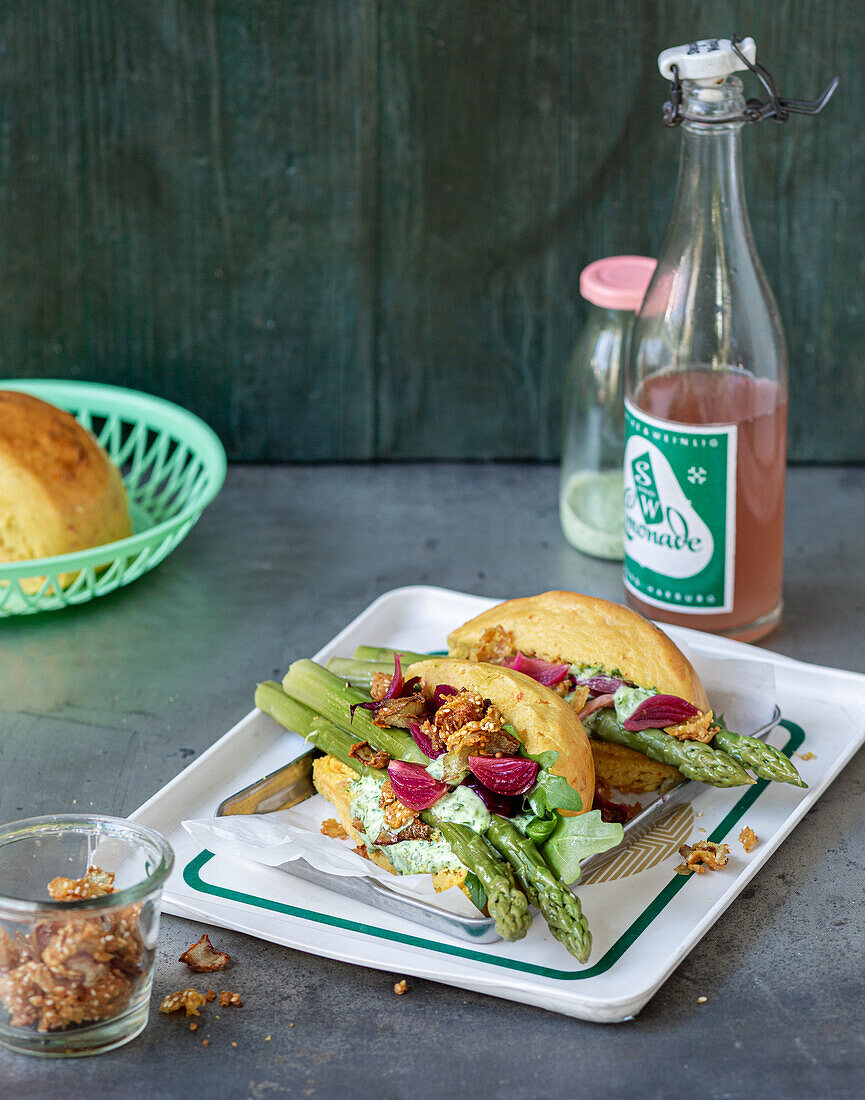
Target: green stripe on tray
192 878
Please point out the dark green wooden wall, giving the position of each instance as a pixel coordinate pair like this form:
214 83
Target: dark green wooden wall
349 229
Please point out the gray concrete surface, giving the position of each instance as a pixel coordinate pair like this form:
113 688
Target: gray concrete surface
100 706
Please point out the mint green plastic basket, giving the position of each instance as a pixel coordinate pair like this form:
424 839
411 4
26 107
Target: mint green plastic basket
173 466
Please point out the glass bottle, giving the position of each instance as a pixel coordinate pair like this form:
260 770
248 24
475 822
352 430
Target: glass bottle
706 396
591 491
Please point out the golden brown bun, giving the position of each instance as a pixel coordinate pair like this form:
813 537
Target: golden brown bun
59 491
569 627
541 718
332 779
622 769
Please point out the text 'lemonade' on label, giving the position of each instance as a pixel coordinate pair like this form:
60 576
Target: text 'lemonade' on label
680 513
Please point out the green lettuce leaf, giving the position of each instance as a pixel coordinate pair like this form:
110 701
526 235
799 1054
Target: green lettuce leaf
576 838
545 759
551 792
539 828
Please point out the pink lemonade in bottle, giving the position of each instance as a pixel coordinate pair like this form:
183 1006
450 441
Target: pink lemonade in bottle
757 408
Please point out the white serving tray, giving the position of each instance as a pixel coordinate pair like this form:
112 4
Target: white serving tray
644 922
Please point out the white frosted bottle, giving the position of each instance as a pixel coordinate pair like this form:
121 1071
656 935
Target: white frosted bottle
591 491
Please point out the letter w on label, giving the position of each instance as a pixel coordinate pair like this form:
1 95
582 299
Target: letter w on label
647 489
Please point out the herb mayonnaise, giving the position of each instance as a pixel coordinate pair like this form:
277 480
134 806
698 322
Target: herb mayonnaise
408 857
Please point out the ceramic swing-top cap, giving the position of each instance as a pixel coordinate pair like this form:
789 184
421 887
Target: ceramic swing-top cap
710 60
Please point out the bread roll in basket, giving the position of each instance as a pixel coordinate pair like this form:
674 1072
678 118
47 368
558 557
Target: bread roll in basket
59 491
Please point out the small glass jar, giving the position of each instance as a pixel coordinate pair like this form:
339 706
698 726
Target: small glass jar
76 974
591 487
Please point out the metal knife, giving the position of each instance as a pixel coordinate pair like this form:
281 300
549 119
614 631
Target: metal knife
278 791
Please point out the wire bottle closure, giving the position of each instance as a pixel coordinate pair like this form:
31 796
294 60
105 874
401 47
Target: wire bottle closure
778 107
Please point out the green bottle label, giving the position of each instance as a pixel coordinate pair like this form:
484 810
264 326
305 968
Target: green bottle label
680 513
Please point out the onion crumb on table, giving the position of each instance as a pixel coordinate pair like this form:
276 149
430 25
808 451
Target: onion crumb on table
203 958
190 999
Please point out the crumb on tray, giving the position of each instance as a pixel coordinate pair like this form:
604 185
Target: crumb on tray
331 827
748 839
704 855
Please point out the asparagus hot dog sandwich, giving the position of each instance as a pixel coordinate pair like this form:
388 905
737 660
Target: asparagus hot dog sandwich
473 772
642 703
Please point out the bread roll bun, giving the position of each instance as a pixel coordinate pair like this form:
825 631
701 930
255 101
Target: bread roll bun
575 629
59 491
570 628
622 769
541 718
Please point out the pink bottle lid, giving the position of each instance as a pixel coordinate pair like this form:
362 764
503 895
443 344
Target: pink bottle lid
617 282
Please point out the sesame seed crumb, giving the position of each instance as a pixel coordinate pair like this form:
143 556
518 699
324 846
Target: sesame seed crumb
702 1000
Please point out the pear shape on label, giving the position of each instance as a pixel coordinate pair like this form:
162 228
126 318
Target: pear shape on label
663 530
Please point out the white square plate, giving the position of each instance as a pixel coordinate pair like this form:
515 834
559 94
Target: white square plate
644 917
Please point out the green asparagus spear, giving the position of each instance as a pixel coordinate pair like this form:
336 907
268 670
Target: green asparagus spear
692 758
358 673
382 653
764 760
272 699
327 695
507 905
560 907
